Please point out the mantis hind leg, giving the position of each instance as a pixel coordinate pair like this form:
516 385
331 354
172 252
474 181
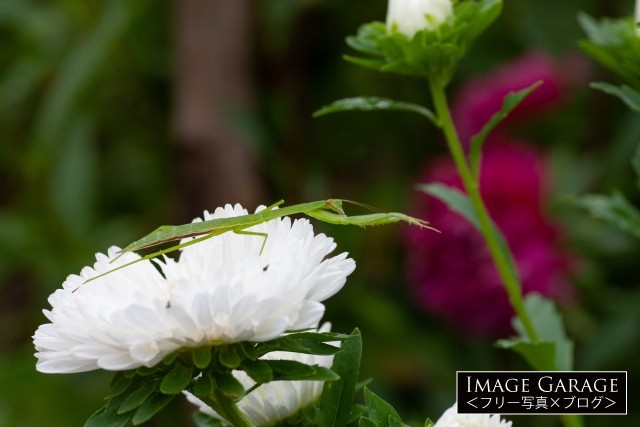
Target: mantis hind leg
255 233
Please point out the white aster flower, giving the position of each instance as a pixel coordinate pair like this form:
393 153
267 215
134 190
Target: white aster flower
451 418
411 16
222 290
278 400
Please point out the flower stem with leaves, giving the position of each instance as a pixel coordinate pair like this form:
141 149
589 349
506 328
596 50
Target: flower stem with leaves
502 257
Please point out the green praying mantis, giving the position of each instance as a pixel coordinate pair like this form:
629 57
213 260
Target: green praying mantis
329 211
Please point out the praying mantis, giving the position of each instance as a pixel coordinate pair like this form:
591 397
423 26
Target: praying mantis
329 210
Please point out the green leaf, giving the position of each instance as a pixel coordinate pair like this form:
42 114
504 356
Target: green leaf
540 356
554 351
459 202
375 104
229 357
151 407
455 199
373 64
177 379
337 396
105 418
119 385
357 411
303 342
229 385
511 101
258 370
201 357
615 210
108 416
203 420
428 423
170 358
203 385
613 43
137 397
628 95
291 370
366 422
379 411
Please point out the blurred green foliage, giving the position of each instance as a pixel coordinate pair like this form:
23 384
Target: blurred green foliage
86 162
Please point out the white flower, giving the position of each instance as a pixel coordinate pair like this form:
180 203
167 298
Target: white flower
451 418
222 290
275 401
411 16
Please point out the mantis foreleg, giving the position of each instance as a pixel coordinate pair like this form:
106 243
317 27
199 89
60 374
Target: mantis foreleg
254 233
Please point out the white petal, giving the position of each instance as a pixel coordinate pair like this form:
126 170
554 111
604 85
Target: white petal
222 290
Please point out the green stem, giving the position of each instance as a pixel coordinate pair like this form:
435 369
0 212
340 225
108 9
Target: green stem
502 259
226 408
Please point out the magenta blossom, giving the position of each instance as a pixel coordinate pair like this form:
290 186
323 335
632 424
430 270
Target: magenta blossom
482 97
452 273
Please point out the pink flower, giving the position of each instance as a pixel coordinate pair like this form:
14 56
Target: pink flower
452 273
480 98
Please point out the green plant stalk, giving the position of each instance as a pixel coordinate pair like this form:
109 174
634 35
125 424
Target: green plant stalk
227 409
501 260
487 227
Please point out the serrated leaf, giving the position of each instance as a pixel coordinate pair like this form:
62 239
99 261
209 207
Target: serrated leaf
177 379
258 370
375 104
554 351
203 385
509 103
229 385
337 397
203 420
201 357
138 396
625 93
615 210
151 407
380 411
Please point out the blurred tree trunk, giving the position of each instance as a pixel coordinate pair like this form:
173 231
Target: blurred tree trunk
212 85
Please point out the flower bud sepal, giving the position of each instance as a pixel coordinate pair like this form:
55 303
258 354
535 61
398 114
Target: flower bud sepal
431 53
